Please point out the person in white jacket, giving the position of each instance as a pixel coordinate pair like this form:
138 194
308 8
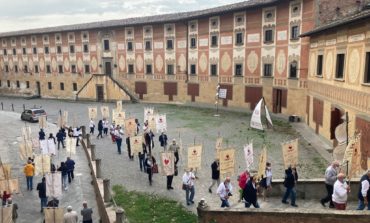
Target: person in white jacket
188 185
224 190
340 193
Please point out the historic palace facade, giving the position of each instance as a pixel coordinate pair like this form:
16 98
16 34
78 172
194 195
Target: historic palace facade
253 49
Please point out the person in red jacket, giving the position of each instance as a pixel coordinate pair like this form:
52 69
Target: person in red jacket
243 179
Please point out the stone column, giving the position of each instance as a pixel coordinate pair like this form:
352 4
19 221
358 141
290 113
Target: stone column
120 215
83 129
93 150
98 168
106 186
88 142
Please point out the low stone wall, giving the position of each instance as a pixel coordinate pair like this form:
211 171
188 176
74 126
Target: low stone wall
219 215
312 189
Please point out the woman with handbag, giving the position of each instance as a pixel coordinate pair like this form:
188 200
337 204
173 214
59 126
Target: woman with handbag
149 164
188 185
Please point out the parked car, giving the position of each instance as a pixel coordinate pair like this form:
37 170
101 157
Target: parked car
33 114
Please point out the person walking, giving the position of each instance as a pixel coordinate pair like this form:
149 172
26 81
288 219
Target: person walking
128 145
86 213
290 181
41 134
141 156
175 149
76 134
149 163
60 138
170 178
188 180
243 179
118 134
340 192
41 187
92 126
100 129
250 193
51 144
330 179
215 174
364 192
224 190
266 181
64 172
29 171
70 216
163 140
70 164
5 197
105 126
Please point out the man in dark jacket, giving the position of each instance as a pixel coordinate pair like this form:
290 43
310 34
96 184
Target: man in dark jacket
128 144
215 174
364 192
70 164
250 193
60 138
41 134
291 178
163 140
41 187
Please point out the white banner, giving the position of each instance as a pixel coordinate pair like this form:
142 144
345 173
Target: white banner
222 92
168 163
136 143
256 117
161 123
6 214
248 155
42 164
93 112
195 156
54 215
147 112
26 133
71 145
104 111
227 162
290 153
119 106
54 184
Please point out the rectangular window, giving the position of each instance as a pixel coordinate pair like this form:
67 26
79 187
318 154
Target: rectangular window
74 86
193 42
340 66
106 45
170 69
6 68
50 86
59 49
8 83
129 46
61 86
24 51
16 68
238 70
214 41
86 48
239 39
73 69
18 85
60 69
14 51
148 69
293 69
87 69
36 69
72 49
193 69
214 69
319 65
148 45
25 69
367 68
46 49
267 70
130 68
34 50
169 44
4 52
268 36
294 32
48 69
27 84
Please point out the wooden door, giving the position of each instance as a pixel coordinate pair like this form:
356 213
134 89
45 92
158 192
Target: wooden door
277 95
99 93
38 88
108 68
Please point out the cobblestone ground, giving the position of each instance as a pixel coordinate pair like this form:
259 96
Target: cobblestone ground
197 126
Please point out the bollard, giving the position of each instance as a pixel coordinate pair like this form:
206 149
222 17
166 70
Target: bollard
12 107
83 130
98 168
93 150
24 107
2 106
120 214
88 142
106 186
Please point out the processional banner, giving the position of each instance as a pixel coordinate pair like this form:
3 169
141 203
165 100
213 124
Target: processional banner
227 162
290 153
168 163
195 156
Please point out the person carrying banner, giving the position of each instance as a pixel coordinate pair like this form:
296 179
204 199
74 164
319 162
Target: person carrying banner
149 163
105 126
340 192
266 180
100 129
163 140
188 180
64 172
364 192
41 187
330 179
118 134
92 126
41 134
215 174
70 164
169 180
60 138
291 178
141 156
224 190
128 145
29 171
243 179
76 134
175 149
250 192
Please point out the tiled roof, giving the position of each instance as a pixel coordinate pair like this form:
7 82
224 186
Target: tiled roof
173 17
365 14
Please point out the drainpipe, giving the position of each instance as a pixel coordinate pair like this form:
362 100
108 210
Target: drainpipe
187 51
